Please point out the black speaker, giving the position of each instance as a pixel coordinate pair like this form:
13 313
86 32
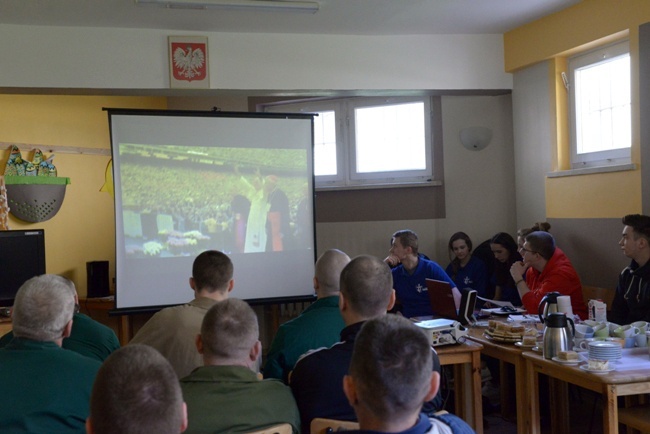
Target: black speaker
467 305
98 282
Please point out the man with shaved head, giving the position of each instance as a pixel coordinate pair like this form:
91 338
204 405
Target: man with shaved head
316 381
317 326
225 395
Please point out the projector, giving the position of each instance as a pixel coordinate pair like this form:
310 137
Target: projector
443 331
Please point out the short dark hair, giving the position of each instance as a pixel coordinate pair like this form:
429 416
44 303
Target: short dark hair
407 238
229 330
542 243
391 366
136 391
212 270
639 223
367 285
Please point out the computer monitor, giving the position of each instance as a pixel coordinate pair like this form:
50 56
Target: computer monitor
22 256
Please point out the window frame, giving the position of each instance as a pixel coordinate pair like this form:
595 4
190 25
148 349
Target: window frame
347 176
609 157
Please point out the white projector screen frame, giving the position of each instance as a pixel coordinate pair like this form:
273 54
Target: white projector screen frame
189 181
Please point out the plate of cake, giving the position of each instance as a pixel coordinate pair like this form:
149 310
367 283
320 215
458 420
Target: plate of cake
597 366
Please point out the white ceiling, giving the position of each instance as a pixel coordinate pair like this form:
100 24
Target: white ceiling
347 17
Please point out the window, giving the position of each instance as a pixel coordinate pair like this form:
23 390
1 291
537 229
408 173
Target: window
600 112
369 141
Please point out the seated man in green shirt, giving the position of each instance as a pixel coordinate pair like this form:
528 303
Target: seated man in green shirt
46 388
317 326
87 337
225 395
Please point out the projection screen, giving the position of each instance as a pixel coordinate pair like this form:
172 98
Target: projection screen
186 182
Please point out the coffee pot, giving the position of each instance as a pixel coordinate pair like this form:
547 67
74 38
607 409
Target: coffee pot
557 336
548 305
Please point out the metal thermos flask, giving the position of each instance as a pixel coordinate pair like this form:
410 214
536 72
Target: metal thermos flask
557 336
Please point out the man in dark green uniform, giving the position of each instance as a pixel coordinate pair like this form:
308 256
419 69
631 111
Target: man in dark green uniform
47 387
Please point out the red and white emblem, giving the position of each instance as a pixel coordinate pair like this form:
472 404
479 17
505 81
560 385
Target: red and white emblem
189 61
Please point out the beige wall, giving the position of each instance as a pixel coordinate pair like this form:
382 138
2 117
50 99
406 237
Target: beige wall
84 228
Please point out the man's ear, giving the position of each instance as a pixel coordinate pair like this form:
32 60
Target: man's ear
67 329
199 344
343 304
231 285
89 426
192 284
350 390
256 351
391 301
316 285
434 385
184 420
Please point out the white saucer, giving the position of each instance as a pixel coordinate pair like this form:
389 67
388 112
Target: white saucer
596 371
566 362
521 345
537 349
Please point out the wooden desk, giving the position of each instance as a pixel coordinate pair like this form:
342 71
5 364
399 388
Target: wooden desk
507 353
621 382
466 358
5 326
98 308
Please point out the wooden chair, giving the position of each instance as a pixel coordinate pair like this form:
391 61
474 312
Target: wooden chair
596 293
283 428
637 417
327 426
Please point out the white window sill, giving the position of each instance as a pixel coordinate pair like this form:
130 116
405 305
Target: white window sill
592 170
379 185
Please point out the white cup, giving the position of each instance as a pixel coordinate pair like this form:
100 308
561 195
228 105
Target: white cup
630 342
591 322
612 326
641 325
641 340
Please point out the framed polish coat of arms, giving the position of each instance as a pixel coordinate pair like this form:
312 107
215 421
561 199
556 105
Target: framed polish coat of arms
188 62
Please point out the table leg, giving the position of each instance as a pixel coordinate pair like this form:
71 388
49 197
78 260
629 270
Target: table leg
521 394
610 412
532 384
477 396
559 396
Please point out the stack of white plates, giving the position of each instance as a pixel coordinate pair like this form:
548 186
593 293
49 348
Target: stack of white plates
603 350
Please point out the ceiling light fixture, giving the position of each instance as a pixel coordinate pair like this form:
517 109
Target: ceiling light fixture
254 5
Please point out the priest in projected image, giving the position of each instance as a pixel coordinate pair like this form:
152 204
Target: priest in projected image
180 201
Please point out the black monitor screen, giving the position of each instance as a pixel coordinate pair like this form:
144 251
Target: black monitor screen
22 256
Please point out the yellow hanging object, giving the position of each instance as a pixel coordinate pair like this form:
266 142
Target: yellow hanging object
108 180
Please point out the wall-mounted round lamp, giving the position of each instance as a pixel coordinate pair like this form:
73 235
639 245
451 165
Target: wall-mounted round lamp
475 138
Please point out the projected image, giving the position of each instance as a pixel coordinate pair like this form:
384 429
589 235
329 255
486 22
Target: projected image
180 201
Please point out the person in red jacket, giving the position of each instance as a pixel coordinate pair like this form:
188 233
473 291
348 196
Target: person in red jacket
549 270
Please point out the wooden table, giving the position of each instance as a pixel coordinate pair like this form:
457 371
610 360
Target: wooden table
5 326
624 381
507 353
98 309
466 359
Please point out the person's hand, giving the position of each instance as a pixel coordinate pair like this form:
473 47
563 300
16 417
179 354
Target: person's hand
392 260
517 270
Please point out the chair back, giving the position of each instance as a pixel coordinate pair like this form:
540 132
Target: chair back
283 428
328 426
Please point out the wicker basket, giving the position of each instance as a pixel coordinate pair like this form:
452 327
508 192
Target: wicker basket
35 202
